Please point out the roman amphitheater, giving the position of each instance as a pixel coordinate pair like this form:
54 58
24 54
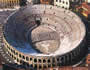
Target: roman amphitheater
43 36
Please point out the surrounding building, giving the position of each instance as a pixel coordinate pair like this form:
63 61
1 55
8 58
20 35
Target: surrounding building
74 3
36 1
88 1
9 3
84 9
46 1
62 3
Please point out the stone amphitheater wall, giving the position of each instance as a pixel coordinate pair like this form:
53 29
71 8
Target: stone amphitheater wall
45 62
41 62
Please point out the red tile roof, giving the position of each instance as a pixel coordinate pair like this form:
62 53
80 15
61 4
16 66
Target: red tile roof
80 68
87 6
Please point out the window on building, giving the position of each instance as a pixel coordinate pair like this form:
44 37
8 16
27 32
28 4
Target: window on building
45 66
21 61
16 53
30 59
9 48
67 3
49 65
57 59
44 61
62 6
17 60
23 57
35 65
20 55
12 56
48 60
39 60
35 60
63 2
40 66
27 58
56 0
59 0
